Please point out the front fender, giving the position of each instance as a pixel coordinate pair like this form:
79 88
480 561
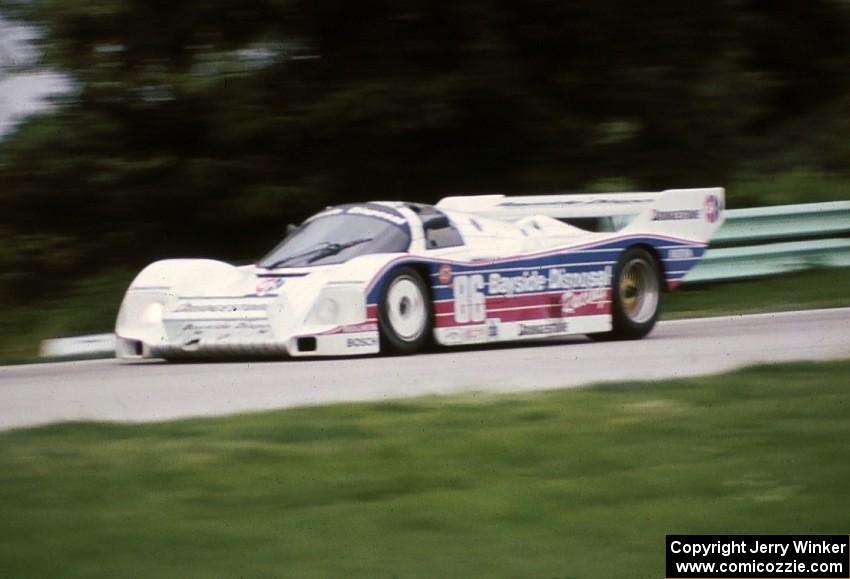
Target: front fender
187 275
140 316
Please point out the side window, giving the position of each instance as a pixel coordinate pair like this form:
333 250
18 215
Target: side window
440 232
444 237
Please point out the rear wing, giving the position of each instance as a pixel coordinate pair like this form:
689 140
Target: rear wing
688 213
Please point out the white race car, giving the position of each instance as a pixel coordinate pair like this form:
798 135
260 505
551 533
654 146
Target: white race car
392 276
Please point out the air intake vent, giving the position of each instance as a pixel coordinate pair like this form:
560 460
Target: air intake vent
307 344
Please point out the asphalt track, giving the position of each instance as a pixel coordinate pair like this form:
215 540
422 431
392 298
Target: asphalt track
150 391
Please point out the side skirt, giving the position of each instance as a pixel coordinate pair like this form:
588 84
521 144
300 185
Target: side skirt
494 330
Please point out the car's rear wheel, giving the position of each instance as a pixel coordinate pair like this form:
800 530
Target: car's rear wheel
635 296
404 312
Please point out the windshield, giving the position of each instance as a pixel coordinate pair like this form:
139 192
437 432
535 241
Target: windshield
339 234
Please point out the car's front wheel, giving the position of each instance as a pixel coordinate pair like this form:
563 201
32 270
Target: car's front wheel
635 296
404 312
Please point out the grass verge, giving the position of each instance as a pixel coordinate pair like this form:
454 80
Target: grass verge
824 288
575 483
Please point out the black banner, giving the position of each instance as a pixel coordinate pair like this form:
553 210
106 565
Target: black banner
757 556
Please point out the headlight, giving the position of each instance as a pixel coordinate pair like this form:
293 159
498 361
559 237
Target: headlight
152 314
338 306
326 310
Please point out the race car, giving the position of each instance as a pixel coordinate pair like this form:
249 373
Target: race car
364 278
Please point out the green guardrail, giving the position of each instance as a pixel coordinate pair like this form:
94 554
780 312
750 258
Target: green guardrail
774 240
784 222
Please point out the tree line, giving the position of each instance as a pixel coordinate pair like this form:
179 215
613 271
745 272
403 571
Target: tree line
204 127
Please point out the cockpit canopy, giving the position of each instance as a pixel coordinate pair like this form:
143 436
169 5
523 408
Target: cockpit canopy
341 233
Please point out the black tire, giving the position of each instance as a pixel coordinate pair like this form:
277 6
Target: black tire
635 296
405 314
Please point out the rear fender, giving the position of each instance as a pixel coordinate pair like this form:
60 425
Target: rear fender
692 214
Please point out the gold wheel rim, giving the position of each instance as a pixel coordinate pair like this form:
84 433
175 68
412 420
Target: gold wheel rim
629 291
639 290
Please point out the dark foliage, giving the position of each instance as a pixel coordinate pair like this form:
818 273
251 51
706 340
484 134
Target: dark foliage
204 127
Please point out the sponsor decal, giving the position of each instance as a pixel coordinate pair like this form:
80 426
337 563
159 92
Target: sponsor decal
188 308
355 328
576 202
199 328
680 253
326 213
676 215
574 300
260 327
452 337
542 329
361 342
493 328
269 285
445 274
469 289
467 335
560 278
377 213
360 210
528 281
712 208
475 334
221 331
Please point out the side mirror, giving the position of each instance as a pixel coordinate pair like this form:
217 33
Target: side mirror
290 229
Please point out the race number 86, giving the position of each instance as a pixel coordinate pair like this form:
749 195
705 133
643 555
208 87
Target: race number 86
469 298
